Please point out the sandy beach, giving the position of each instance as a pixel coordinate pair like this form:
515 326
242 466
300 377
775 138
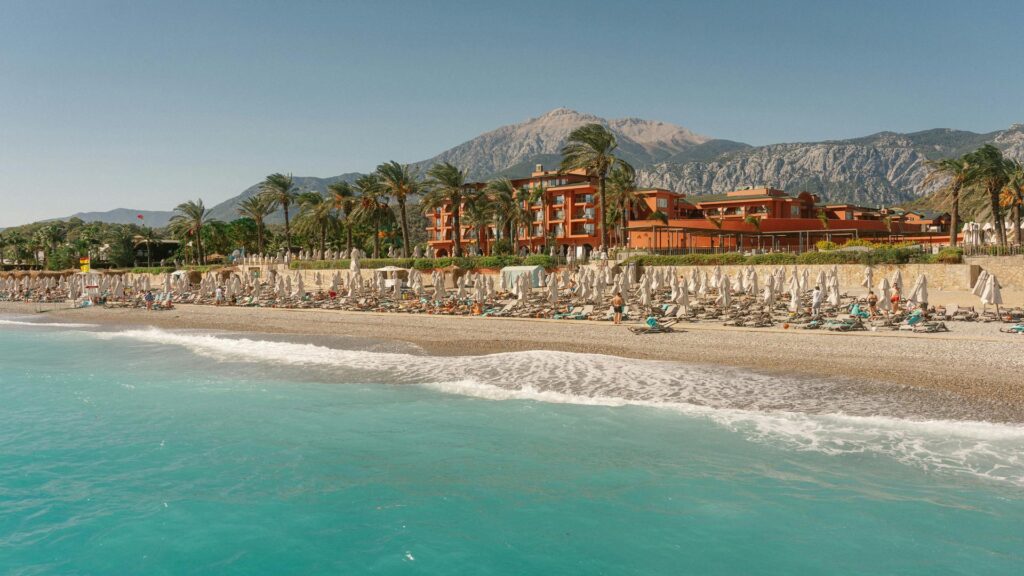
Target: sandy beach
973 362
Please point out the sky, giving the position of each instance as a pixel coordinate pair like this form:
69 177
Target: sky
143 104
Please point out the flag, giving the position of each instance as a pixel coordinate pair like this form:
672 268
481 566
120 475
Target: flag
140 216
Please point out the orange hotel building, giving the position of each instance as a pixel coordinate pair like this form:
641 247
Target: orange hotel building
663 220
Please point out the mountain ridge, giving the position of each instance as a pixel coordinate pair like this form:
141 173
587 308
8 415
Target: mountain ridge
884 168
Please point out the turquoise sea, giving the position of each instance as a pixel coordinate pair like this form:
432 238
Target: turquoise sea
155 452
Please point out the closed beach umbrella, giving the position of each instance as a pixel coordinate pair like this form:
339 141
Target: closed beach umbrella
868 278
884 295
897 281
980 283
768 296
794 295
919 293
553 290
833 291
991 293
682 298
724 293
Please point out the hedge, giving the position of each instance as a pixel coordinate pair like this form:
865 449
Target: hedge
463 262
887 255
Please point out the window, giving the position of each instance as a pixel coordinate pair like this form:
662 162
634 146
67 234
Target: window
662 203
538 230
559 230
794 211
538 216
588 228
588 198
560 199
559 215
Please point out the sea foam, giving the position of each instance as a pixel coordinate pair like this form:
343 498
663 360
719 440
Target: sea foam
798 414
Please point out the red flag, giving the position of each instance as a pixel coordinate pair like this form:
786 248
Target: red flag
140 216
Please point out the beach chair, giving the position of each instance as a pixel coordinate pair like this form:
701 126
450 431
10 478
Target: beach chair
930 327
845 324
579 313
1016 329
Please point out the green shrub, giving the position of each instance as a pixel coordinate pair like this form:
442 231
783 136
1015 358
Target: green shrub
497 262
949 256
464 262
539 260
502 247
825 245
775 259
153 270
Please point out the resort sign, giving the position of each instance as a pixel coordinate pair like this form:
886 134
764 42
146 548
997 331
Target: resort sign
83 263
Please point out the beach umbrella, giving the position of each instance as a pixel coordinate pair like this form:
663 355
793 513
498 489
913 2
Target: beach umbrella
794 295
300 288
439 291
768 296
724 293
553 290
820 280
716 277
683 298
991 293
897 281
919 293
752 282
460 288
833 290
980 283
884 296
740 287
868 278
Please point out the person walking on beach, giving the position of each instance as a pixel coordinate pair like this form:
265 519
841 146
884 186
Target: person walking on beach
218 296
617 306
816 297
149 299
895 301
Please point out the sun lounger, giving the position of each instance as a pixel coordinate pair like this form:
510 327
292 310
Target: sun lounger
930 327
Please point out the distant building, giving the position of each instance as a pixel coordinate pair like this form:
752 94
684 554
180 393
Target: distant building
760 218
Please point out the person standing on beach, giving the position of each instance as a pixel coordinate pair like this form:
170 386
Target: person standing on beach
218 296
149 299
895 301
816 298
618 304
873 302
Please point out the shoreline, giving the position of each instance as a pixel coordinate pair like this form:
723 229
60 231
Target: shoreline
973 363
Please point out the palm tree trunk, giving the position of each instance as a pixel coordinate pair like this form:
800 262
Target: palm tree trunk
1015 218
600 193
287 230
376 237
405 228
997 218
259 236
954 216
348 234
456 232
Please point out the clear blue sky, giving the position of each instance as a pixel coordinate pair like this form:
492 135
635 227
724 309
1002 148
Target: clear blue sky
143 104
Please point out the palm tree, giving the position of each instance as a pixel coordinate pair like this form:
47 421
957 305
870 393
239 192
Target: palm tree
316 217
990 171
622 194
402 183
149 235
592 148
955 170
188 222
258 207
343 198
1013 195
502 194
478 211
372 207
445 186
282 191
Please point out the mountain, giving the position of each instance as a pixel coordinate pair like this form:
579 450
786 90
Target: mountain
154 218
882 169
886 168
641 142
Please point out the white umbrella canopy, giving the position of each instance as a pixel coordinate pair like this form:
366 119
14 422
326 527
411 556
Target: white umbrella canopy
794 295
740 286
897 281
833 291
820 280
768 295
724 293
980 283
991 293
553 290
683 298
716 277
884 296
869 278
919 293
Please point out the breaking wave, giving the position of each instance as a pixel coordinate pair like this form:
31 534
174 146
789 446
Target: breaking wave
8 322
798 414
